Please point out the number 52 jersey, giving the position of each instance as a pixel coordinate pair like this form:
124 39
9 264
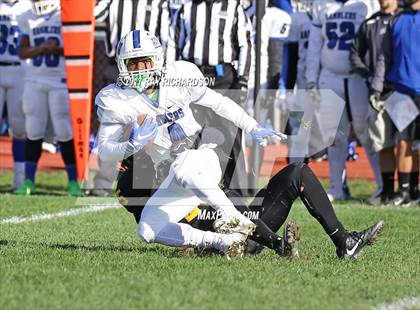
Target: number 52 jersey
339 22
43 29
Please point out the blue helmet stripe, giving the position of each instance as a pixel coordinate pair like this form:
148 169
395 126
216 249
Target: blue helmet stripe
136 38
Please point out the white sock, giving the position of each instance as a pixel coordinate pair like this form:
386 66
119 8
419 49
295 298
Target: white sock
18 174
180 234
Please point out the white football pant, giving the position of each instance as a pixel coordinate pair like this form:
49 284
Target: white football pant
357 97
193 178
11 92
41 102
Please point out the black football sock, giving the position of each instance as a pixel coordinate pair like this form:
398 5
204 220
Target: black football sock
319 206
414 184
388 181
263 234
403 181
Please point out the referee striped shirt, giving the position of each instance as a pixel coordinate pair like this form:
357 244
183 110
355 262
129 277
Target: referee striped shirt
122 16
212 33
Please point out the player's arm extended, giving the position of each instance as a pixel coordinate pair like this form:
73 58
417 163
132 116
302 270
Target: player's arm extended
226 108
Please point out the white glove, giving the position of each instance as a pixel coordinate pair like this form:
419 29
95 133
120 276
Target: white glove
260 134
143 134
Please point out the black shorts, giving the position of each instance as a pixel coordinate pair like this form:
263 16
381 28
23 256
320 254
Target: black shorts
412 132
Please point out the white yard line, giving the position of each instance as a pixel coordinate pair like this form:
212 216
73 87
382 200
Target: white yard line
65 213
401 304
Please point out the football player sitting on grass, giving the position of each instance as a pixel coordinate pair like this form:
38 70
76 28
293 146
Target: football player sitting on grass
151 102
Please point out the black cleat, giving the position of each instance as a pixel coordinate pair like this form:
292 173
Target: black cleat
357 240
401 199
290 240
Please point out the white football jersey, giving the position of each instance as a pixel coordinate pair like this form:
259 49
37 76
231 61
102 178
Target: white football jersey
182 84
339 22
42 29
299 33
9 32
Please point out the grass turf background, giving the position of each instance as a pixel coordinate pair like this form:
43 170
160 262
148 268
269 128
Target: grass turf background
95 260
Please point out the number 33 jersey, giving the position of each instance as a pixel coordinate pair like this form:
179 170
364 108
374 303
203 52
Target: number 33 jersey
339 22
9 32
43 29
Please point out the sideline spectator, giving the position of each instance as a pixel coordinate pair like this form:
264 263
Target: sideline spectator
11 88
45 91
399 64
334 26
363 55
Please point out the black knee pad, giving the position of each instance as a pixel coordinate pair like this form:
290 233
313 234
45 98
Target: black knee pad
67 152
133 197
33 150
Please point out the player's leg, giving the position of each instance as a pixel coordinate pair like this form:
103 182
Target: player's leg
407 163
298 180
199 171
35 108
359 107
337 152
160 219
17 126
58 99
381 132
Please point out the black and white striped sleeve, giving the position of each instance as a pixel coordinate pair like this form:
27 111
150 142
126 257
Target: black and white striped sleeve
101 10
244 29
176 38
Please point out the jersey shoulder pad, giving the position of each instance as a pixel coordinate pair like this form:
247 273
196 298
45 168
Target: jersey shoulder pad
319 9
111 105
183 69
280 15
22 20
187 78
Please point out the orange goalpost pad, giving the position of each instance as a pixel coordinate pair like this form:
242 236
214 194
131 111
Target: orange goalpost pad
78 36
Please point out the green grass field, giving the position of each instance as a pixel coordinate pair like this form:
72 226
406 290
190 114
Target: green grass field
96 261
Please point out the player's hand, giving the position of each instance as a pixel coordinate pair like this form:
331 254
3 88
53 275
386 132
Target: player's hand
44 48
375 101
142 134
313 93
260 134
